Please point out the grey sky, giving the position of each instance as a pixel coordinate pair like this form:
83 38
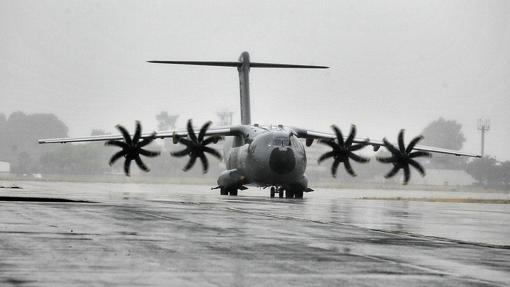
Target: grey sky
394 64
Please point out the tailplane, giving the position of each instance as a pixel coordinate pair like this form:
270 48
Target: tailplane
243 67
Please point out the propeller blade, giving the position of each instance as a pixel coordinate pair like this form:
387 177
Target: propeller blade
419 154
352 134
212 152
413 143
418 166
120 144
116 156
386 159
190 163
359 146
191 132
181 153
203 130
325 156
390 147
358 158
393 171
127 165
138 133
401 144
125 134
339 136
147 140
205 163
186 142
149 153
140 164
330 143
334 167
211 139
407 174
348 168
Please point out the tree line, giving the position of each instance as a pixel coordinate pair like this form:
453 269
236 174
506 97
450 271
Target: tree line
19 134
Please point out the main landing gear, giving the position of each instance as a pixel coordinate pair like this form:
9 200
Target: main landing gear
228 191
289 193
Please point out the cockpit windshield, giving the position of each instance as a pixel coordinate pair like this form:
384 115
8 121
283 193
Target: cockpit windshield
281 141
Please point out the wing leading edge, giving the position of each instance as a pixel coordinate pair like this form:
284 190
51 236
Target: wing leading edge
220 131
308 134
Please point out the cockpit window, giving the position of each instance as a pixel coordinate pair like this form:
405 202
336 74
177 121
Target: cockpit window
281 142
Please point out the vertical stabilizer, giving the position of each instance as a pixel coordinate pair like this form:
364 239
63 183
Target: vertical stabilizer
244 87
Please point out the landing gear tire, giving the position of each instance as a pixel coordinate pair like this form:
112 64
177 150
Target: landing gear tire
289 194
233 192
223 191
273 191
281 191
298 194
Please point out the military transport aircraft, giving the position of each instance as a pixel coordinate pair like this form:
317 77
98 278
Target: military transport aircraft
265 156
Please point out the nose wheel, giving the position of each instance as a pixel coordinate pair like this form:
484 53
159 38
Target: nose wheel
287 193
280 191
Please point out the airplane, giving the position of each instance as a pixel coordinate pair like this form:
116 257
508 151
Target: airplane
264 156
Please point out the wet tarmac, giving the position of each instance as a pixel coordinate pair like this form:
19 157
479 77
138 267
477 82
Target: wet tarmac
171 235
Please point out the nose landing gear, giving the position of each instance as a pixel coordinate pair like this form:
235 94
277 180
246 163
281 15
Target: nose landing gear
289 193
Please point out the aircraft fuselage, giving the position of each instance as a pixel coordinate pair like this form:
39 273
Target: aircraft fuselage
265 156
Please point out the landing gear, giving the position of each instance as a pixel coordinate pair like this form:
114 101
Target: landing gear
231 192
288 193
280 192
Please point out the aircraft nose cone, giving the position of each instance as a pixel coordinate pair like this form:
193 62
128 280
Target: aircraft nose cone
282 161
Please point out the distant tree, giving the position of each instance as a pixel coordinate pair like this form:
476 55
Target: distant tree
82 159
503 173
23 164
19 135
166 121
482 169
445 134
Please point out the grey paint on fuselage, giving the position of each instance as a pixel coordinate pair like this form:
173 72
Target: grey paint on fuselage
264 156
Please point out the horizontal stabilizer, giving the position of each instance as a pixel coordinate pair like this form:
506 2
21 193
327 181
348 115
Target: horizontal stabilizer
199 63
239 64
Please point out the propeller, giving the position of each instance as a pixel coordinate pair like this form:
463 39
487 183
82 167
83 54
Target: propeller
132 148
343 151
196 147
402 157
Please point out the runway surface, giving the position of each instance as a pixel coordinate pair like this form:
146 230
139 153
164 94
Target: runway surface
172 235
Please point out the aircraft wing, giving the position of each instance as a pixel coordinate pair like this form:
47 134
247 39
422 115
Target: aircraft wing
220 131
311 135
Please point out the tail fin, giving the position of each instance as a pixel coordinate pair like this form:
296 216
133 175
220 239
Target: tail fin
243 67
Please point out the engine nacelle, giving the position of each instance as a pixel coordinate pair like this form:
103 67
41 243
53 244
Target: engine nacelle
231 179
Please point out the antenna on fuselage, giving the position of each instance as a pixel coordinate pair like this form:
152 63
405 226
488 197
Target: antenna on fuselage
243 67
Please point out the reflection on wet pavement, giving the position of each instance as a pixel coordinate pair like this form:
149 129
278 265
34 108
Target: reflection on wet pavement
190 236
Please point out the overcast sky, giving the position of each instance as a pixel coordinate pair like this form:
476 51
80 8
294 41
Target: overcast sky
394 64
